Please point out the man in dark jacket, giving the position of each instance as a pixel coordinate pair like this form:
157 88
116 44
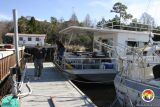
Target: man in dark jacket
60 50
38 58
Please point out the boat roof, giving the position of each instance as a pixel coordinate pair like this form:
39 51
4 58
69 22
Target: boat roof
150 48
78 29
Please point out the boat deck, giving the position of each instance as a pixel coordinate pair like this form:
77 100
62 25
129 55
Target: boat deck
52 90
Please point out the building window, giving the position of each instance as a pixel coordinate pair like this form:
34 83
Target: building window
37 39
20 38
29 39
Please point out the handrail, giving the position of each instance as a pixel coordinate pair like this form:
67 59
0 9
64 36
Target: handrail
5 64
91 58
138 26
87 63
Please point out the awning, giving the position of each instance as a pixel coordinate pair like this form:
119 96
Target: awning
78 29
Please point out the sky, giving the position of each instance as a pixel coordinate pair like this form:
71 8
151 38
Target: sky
44 9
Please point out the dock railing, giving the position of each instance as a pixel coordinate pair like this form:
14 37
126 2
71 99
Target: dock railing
6 63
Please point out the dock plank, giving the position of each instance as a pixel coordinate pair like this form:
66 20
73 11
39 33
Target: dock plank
52 90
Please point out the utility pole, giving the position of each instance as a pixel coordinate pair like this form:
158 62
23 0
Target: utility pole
16 43
16 36
14 84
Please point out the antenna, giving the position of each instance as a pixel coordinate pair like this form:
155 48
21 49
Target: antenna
148 5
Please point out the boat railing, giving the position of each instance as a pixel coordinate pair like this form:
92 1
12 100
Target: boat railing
140 69
152 59
89 63
134 26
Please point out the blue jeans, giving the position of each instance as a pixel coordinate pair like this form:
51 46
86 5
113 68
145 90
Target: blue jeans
61 54
38 63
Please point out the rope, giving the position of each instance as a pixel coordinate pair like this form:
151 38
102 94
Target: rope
23 76
22 95
28 93
27 85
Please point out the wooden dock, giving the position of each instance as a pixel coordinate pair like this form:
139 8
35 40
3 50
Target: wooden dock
52 90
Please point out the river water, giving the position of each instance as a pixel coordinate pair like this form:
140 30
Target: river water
102 95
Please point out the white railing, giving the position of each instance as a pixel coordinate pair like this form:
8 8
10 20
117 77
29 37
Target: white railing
90 63
140 68
134 26
152 59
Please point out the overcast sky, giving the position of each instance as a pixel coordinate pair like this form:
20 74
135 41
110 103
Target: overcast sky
44 9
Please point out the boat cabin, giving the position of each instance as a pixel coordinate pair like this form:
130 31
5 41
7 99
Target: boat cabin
114 37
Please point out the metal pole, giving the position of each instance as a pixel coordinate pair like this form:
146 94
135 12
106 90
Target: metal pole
120 20
16 36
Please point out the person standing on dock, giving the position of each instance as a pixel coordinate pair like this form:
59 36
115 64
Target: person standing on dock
38 58
60 50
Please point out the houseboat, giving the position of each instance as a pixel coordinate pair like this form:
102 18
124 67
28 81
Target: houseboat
101 64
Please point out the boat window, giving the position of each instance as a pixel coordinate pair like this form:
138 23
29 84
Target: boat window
96 46
155 43
108 41
144 53
105 41
132 43
157 52
145 43
105 50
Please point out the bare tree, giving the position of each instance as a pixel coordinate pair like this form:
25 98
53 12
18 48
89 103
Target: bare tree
74 17
87 21
73 20
147 19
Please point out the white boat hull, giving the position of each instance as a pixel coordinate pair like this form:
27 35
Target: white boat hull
129 93
106 76
103 75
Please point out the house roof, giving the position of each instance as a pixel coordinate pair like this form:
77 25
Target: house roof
31 35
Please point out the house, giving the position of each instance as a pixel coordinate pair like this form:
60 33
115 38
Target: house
29 39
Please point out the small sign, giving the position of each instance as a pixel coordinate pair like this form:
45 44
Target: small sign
132 39
148 95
